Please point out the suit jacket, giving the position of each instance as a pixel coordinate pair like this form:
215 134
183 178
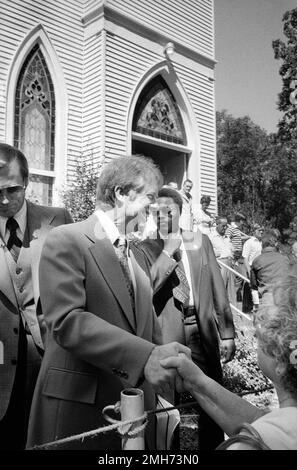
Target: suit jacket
96 345
214 317
40 220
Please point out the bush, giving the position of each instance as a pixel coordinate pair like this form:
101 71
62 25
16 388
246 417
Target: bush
81 197
243 374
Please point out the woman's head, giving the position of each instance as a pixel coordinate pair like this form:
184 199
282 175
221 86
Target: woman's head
276 326
205 201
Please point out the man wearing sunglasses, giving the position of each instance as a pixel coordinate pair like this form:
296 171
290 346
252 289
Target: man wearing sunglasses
23 228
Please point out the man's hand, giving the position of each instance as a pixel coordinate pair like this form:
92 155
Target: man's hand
172 243
227 350
161 379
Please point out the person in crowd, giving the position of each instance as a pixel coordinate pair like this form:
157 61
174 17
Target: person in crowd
202 217
252 247
186 219
189 284
103 335
252 428
234 232
237 237
223 250
268 267
23 228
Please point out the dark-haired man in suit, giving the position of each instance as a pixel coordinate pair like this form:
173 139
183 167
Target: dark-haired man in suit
201 299
23 228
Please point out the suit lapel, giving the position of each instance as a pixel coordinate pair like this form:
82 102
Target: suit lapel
193 246
143 295
6 286
38 222
107 261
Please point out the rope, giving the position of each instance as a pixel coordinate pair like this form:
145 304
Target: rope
240 312
119 424
233 271
94 433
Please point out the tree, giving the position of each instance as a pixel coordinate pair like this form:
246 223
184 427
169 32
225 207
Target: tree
287 102
81 197
241 153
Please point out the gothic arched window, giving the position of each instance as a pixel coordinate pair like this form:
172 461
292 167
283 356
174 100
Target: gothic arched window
158 130
157 114
34 131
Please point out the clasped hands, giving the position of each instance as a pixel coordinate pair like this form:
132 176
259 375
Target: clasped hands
161 369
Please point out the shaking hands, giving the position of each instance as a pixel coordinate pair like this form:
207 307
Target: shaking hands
162 375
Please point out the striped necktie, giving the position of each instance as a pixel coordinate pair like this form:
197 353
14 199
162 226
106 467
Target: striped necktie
120 247
14 244
181 289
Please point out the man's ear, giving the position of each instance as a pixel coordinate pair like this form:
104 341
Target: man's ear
26 182
119 194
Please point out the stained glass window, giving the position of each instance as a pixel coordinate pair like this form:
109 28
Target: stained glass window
157 113
34 131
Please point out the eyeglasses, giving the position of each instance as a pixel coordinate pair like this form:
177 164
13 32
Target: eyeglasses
11 190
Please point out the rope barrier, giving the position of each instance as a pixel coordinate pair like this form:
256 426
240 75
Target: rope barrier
240 312
111 427
120 424
92 433
233 271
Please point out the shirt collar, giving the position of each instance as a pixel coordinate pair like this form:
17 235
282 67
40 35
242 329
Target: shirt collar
268 249
108 225
20 217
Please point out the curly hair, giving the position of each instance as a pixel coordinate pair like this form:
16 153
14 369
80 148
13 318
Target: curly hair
276 325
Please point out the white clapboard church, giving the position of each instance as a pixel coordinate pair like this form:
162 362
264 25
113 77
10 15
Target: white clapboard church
99 79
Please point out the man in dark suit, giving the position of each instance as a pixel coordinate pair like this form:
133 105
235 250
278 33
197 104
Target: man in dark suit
103 335
23 228
201 299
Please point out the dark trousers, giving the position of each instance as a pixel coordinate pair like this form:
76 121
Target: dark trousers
210 435
13 426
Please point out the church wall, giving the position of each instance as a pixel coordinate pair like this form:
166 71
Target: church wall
62 23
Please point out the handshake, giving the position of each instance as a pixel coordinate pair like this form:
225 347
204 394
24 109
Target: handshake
165 366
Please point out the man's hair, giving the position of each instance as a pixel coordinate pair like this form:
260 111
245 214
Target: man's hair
173 194
12 153
188 181
205 199
221 217
238 217
132 172
269 238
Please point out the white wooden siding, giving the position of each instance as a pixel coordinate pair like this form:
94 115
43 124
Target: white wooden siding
62 22
92 99
187 21
201 93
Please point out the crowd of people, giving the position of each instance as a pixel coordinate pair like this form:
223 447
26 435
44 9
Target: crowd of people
137 295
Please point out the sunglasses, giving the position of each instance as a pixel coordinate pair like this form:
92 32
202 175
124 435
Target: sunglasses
11 190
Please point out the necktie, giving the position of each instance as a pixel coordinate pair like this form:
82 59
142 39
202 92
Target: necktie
121 252
14 244
181 288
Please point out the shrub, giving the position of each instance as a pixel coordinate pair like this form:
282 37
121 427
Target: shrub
81 197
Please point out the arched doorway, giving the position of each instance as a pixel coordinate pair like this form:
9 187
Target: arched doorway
158 130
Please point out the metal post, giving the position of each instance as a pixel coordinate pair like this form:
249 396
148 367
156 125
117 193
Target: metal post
132 406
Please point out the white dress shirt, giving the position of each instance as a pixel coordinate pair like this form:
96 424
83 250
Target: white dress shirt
113 234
